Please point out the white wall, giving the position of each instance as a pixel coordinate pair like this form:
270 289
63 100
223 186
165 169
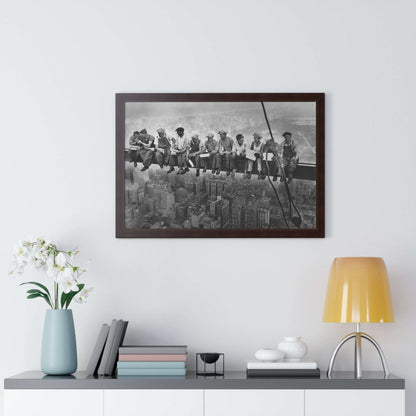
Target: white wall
61 64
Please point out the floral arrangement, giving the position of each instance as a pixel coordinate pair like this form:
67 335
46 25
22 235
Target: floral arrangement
58 264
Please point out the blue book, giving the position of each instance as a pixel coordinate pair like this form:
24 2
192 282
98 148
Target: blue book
150 364
151 372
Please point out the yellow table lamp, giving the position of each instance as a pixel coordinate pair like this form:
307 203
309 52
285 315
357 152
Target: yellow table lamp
358 292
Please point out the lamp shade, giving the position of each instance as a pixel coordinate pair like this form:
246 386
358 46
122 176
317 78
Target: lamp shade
358 291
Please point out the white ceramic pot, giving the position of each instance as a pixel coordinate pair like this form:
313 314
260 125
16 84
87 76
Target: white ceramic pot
293 348
269 355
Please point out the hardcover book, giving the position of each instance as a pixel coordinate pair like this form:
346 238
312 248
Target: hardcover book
284 373
118 341
107 348
151 372
97 352
150 364
282 365
152 357
153 349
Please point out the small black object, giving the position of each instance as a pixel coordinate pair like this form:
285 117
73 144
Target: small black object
210 364
210 357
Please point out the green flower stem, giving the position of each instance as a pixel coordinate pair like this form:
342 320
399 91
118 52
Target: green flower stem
56 295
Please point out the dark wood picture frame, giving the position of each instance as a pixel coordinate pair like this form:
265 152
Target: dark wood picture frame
123 232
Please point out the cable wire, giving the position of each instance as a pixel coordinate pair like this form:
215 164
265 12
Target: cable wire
297 221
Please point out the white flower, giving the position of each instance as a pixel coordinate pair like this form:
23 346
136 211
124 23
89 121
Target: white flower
21 254
60 274
60 260
57 269
82 296
40 256
69 285
21 249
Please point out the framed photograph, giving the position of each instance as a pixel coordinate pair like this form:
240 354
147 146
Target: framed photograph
220 165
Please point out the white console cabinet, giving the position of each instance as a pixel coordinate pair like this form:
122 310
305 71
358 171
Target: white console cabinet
53 402
153 403
354 402
254 402
33 394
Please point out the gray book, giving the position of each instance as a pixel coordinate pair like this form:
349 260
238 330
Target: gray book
116 344
97 352
153 349
107 348
284 373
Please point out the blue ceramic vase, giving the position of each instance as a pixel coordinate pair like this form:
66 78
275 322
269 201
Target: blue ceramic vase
59 348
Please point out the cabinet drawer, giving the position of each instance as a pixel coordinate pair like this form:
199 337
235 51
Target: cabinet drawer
53 402
153 403
354 402
254 402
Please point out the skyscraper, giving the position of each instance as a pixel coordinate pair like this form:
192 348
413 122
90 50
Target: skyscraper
220 209
238 213
216 186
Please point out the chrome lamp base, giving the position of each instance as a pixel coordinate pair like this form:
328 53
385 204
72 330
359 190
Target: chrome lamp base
358 336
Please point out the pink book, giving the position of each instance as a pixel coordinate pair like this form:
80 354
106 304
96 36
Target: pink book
152 357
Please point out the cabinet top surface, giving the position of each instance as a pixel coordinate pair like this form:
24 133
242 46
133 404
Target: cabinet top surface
231 380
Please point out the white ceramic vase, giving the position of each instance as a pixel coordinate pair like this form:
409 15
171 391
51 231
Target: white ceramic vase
293 348
269 355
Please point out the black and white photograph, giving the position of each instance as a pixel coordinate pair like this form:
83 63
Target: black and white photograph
214 168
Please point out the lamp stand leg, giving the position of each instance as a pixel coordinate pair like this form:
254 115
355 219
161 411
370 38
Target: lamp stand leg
358 336
357 362
380 353
337 348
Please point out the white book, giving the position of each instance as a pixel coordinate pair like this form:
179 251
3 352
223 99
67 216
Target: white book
282 365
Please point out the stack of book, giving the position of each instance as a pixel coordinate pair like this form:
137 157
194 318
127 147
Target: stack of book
283 369
152 361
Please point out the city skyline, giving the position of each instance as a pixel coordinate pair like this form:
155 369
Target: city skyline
157 200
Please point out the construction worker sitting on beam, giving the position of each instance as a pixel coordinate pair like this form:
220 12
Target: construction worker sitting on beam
225 149
289 156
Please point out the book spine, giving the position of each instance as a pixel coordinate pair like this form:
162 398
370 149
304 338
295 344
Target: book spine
281 366
283 373
152 357
107 348
150 364
151 372
152 350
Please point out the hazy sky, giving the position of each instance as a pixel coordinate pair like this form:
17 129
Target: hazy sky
152 109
